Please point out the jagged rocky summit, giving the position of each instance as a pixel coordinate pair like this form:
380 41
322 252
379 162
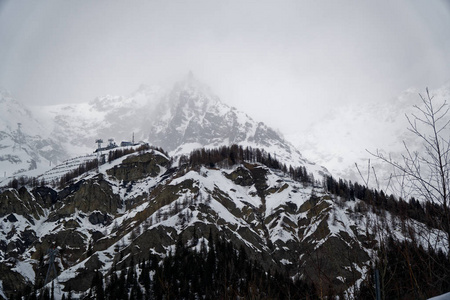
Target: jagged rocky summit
180 119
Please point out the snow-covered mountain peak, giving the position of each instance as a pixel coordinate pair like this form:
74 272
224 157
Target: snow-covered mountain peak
148 94
13 112
106 215
4 95
25 141
186 117
105 102
191 117
192 94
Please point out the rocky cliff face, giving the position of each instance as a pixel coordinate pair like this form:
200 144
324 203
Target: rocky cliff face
141 203
191 116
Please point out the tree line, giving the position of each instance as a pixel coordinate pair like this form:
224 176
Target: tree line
68 177
426 212
406 269
117 153
212 268
227 156
87 166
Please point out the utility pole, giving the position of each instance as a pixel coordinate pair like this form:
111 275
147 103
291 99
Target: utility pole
52 252
99 143
377 285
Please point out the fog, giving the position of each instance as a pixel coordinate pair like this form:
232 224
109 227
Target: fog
282 62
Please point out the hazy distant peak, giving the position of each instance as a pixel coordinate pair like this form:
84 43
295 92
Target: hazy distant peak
190 76
190 82
142 88
11 108
193 93
147 89
104 102
4 94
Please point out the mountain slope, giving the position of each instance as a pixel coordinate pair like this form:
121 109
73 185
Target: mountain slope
78 126
25 144
141 204
340 138
180 119
190 116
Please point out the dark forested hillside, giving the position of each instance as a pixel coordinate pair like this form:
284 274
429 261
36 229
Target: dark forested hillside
225 223
217 271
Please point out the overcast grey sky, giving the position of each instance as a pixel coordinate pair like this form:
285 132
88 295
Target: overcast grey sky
302 56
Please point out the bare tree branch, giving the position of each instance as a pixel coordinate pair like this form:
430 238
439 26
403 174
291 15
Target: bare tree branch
427 171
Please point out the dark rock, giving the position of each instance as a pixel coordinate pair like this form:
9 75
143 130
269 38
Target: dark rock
259 176
45 195
100 218
12 281
91 195
12 218
70 189
137 167
28 237
241 176
96 235
20 202
83 280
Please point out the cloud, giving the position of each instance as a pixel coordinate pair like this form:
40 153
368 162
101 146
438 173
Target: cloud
261 56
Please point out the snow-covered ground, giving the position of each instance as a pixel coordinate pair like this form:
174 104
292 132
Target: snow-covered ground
343 135
445 296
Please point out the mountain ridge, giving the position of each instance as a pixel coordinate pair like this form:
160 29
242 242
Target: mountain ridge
24 142
179 119
141 203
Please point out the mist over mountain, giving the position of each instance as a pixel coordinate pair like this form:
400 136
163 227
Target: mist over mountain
178 119
188 115
204 187
275 183
342 137
25 142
